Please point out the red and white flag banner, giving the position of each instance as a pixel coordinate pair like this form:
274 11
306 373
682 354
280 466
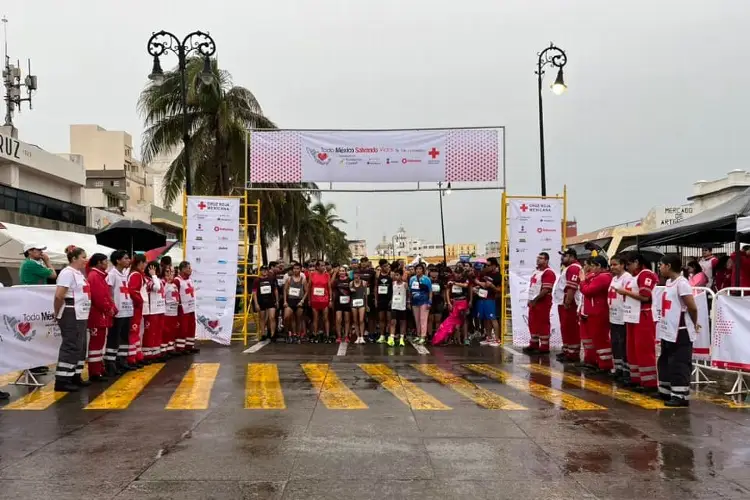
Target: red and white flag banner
450 155
731 333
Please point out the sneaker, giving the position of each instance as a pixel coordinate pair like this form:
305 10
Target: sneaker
421 341
494 343
467 342
401 341
381 339
391 341
338 340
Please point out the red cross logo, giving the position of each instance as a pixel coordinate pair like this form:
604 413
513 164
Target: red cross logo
611 295
189 290
434 153
162 291
124 290
666 304
202 206
87 289
176 295
533 280
629 287
524 207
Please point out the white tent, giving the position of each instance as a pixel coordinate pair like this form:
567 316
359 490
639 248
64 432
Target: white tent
13 237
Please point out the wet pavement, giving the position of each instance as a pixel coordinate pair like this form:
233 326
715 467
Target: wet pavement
303 421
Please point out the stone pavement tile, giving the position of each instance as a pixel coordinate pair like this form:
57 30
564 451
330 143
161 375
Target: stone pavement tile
490 424
576 427
200 490
245 424
480 458
73 488
365 423
225 458
628 487
444 489
361 457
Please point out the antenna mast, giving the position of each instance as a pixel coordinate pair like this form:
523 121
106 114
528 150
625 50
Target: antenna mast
13 83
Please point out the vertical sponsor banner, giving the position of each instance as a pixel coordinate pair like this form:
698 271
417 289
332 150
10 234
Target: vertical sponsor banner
534 226
29 334
702 344
213 228
730 347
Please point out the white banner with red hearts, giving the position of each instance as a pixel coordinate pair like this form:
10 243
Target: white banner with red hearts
29 334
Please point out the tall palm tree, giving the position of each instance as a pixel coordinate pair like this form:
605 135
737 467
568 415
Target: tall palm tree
219 115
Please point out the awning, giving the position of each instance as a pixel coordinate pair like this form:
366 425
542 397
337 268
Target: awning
13 237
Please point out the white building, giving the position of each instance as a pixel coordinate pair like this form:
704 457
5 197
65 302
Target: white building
403 245
158 168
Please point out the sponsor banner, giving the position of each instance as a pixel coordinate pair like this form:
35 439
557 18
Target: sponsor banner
730 348
29 334
469 155
534 226
702 344
212 247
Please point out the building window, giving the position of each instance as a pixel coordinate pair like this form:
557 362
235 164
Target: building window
115 183
141 194
98 184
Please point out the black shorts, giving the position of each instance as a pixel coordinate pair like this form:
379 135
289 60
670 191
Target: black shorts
294 306
398 315
384 305
266 307
338 306
437 307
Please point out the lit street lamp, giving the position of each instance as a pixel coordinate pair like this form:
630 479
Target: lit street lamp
556 57
198 42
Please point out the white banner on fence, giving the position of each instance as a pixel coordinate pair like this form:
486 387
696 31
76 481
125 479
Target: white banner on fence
468 155
702 344
29 334
730 347
213 227
535 226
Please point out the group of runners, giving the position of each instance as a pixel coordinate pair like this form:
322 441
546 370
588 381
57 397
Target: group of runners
327 303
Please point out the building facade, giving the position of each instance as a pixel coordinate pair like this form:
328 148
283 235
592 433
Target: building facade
358 248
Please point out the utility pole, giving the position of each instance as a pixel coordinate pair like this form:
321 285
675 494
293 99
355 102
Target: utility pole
13 83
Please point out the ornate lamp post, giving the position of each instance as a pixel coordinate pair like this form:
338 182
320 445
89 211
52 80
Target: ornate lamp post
553 56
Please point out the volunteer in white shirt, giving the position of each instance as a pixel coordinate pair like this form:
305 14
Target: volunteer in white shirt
72 304
117 338
677 331
617 329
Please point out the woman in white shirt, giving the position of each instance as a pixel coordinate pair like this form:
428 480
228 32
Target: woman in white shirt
677 333
71 306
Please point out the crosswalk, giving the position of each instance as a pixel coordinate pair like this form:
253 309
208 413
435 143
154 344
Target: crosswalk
418 386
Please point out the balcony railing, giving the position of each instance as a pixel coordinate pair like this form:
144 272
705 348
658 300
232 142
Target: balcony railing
25 202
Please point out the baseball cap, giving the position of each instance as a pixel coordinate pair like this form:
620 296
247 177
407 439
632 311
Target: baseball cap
33 246
569 251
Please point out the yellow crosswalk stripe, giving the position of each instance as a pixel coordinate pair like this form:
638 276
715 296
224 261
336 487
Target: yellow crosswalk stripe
39 399
557 398
480 396
406 391
119 395
610 390
194 391
332 392
263 387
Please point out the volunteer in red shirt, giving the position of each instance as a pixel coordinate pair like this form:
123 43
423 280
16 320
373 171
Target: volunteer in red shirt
137 290
320 294
641 328
100 316
540 305
153 322
708 264
744 274
567 295
595 287
722 274
185 342
678 328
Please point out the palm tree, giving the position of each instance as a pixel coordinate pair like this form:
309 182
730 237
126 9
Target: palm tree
219 116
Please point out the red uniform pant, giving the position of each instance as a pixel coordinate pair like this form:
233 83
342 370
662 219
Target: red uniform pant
134 337
539 326
589 353
171 332
186 338
152 333
641 351
597 348
97 341
571 335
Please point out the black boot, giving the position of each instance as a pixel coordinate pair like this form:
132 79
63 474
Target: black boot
677 403
64 386
98 378
530 350
78 381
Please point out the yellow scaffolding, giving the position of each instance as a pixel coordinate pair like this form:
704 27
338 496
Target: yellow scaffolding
507 333
247 261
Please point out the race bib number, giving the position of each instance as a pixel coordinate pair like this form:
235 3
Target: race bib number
415 285
482 293
344 299
435 288
125 309
280 282
319 292
294 292
397 302
457 289
358 302
265 289
383 290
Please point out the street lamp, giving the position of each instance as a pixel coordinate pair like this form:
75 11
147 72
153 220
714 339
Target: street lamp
198 42
556 57
442 193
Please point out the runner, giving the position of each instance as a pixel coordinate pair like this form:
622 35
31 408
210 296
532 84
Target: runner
266 298
487 289
359 305
420 288
383 290
342 305
457 299
438 300
399 307
618 332
677 334
319 291
295 295
367 273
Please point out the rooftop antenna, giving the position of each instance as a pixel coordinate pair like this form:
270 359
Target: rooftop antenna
13 82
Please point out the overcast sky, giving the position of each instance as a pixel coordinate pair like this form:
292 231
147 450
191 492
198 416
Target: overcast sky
657 99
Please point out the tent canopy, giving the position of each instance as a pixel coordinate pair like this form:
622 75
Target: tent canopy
13 237
715 225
